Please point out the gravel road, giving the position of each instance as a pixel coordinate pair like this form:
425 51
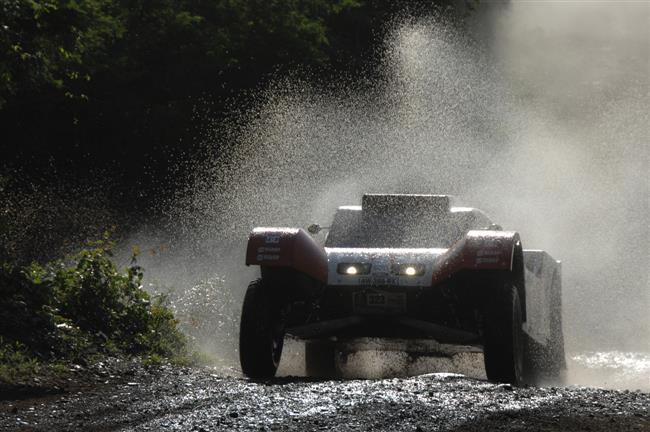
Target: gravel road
130 397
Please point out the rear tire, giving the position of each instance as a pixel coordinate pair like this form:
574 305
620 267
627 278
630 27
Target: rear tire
556 346
546 363
503 345
261 332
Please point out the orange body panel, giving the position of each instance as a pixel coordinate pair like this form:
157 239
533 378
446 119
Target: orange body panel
287 247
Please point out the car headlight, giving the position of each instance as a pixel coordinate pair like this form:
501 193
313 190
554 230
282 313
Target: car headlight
353 269
409 269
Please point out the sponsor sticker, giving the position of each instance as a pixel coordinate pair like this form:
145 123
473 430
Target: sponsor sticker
374 280
267 257
264 249
488 252
488 260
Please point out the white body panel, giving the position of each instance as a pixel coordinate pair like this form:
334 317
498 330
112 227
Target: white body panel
381 261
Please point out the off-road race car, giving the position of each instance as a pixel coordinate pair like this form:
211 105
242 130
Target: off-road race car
404 267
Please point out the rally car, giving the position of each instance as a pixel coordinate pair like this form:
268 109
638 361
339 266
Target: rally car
404 266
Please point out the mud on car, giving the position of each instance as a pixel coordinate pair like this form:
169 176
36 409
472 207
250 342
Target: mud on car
404 267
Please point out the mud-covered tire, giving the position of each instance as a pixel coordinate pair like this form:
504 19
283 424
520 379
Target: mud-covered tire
546 364
503 345
555 351
320 359
261 332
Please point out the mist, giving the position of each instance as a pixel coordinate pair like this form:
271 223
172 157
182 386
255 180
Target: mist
537 114
579 71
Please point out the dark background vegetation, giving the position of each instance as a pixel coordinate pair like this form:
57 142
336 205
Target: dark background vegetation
98 98
101 103
105 106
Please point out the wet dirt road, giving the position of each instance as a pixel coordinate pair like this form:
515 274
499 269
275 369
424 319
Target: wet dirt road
191 399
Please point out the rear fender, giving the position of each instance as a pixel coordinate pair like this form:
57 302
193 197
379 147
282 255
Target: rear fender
484 250
289 248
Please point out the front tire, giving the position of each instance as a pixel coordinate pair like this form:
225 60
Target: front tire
261 332
503 345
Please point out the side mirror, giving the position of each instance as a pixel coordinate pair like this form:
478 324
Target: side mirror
314 229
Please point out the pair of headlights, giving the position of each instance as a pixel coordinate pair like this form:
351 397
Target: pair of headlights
353 269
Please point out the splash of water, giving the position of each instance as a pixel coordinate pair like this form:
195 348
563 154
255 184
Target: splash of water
543 124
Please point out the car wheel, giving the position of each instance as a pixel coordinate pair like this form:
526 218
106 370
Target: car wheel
261 333
503 345
545 363
553 360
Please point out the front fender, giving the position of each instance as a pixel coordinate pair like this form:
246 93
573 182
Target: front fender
289 248
479 250
484 250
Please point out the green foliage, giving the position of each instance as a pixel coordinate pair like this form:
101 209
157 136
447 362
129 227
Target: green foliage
74 309
61 45
86 83
164 340
16 362
54 44
102 300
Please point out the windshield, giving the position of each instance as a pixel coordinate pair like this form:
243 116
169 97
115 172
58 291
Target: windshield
354 230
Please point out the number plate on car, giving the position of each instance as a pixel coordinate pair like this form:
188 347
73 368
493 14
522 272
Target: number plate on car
375 299
379 302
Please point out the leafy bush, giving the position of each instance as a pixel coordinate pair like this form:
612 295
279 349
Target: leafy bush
15 361
73 309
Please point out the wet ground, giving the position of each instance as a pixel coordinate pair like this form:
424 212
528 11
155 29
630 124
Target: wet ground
128 396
